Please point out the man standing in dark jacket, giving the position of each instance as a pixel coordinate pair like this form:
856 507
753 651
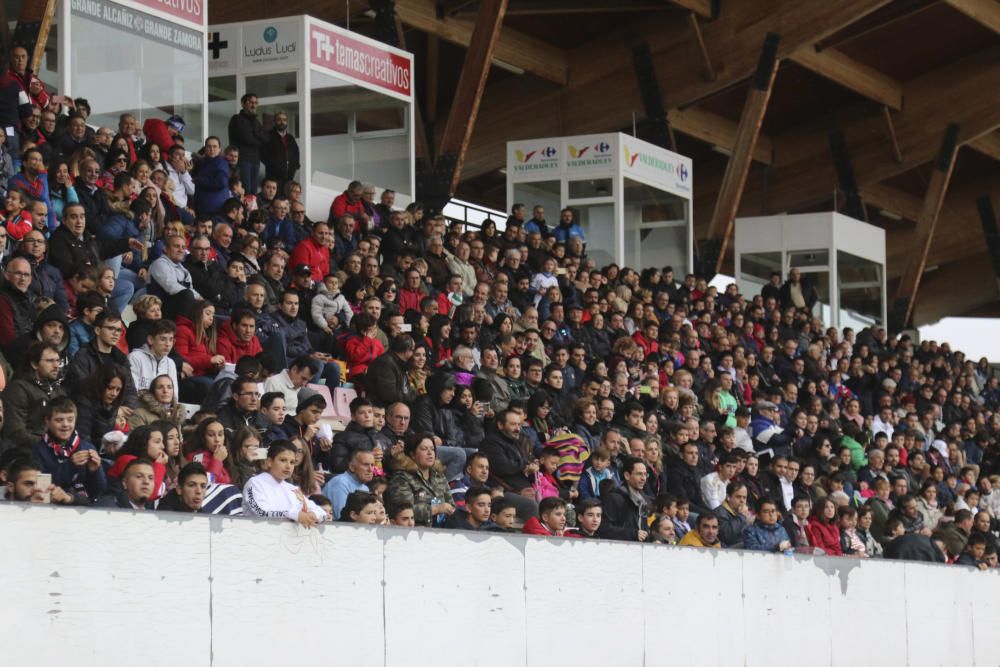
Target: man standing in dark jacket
626 508
14 105
247 134
281 152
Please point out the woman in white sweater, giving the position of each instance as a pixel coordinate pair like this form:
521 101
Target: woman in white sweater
270 495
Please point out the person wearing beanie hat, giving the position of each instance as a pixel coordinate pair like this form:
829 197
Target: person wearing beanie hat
305 422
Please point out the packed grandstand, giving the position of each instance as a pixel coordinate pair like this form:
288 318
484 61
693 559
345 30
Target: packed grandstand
178 336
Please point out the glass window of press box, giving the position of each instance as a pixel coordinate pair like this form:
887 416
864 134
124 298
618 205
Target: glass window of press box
121 71
358 134
656 228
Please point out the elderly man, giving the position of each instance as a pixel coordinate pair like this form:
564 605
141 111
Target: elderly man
360 471
75 137
92 197
172 277
17 303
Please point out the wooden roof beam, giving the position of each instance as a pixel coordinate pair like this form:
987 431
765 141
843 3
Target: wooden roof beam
732 41
957 287
514 48
984 12
802 174
853 75
902 307
472 81
988 145
557 7
702 8
738 167
716 130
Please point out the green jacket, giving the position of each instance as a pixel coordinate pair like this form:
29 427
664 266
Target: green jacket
407 484
858 457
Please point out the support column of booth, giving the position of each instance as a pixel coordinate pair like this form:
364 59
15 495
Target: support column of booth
632 199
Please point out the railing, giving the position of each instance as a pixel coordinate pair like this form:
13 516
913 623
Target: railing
473 215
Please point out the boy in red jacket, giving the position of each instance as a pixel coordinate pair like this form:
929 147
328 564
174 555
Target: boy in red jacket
552 511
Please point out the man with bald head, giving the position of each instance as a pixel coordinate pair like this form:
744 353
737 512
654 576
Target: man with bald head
17 304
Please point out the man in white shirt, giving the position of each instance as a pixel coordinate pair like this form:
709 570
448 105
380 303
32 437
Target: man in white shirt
290 380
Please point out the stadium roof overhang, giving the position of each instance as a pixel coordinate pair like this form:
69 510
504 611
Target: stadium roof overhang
888 76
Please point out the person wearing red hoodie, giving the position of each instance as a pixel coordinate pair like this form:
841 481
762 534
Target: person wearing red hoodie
552 523
314 252
648 337
411 293
349 203
238 339
822 530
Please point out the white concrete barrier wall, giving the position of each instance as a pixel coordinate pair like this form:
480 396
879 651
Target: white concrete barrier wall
108 587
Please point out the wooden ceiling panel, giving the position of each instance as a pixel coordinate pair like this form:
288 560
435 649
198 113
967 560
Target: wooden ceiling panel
909 48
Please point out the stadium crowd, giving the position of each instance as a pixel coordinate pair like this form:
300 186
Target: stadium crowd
487 380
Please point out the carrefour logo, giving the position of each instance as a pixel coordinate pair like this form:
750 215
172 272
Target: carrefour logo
270 34
682 171
545 158
597 155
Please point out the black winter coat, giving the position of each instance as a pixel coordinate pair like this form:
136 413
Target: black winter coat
352 439
246 133
622 517
281 158
430 417
508 458
88 360
66 251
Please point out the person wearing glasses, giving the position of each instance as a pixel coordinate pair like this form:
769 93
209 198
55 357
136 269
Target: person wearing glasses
17 304
243 409
103 351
